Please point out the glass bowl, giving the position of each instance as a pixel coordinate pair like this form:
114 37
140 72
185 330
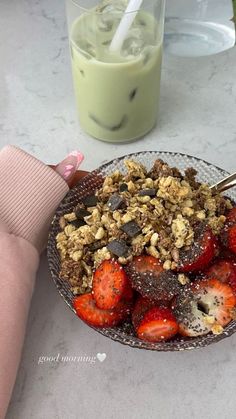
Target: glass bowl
124 333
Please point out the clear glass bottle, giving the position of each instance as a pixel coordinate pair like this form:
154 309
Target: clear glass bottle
199 27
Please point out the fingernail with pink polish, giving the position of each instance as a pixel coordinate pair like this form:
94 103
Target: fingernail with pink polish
69 165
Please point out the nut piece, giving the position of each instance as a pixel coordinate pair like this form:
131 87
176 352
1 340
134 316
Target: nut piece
201 215
183 279
131 186
217 329
173 190
126 218
153 252
100 255
61 237
154 239
100 233
210 205
181 230
76 256
62 222
175 255
70 217
135 169
167 265
187 211
69 229
143 199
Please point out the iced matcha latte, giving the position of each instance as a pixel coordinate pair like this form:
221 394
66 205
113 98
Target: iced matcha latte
117 92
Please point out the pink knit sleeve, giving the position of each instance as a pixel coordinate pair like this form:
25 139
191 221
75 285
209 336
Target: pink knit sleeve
18 265
29 194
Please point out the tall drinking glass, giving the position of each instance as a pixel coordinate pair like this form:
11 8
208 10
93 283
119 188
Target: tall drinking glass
117 89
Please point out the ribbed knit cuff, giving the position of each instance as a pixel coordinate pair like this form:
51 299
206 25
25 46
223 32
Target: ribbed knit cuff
30 192
3 227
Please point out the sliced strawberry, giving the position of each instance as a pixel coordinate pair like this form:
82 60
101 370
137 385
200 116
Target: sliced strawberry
217 298
228 236
148 277
142 305
144 263
110 284
158 325
201 253
224 271
87 310
202 305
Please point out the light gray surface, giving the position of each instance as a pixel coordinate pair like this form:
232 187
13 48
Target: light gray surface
37 112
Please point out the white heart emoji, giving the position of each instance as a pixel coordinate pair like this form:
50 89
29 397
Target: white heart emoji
101 357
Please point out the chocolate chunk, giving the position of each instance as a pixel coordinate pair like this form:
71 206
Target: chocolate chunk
95 246
115 202
81 213
147 192
118 247
123 187
90 201
78 223
131 228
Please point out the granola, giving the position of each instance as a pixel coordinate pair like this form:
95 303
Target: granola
137 212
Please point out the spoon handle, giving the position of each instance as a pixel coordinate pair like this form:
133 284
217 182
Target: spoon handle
224 184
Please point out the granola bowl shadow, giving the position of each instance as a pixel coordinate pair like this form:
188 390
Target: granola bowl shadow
124 333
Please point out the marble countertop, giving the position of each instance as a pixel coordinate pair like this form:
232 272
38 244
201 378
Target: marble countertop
37 113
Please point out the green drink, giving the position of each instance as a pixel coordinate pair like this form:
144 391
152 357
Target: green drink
117 92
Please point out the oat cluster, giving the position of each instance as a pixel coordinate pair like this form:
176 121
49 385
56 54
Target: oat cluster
137 212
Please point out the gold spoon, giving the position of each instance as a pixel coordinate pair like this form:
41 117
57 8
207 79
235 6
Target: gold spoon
224 184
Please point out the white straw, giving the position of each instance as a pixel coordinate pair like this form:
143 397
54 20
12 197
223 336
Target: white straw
125 23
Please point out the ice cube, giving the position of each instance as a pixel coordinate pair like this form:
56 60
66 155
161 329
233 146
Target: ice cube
87 49
111 6
105 23
110 13
133 44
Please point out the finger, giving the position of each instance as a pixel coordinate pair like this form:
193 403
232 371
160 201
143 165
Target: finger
68 167
79 174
